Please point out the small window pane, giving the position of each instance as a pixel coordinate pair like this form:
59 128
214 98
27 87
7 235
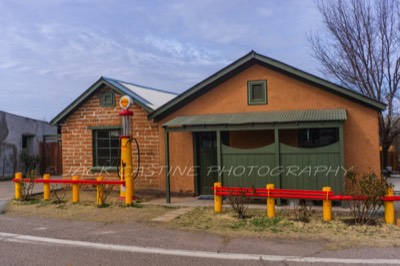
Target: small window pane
102 134
115 143
103 143
115 152
257 92
103 162
103 152
114 133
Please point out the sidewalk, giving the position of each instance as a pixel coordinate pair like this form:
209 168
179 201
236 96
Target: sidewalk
7 192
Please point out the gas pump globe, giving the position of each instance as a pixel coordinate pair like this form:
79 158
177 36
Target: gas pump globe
126 115
126 171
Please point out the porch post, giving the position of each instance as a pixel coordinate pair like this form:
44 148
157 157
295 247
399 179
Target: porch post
277 161
341 149
277 155
167 174
219 159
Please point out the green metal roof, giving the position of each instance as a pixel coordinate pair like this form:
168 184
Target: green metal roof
245 62
251 118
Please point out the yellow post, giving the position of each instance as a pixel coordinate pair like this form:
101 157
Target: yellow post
327 206
217 199
75 190
100 191
126 168
270 202
389 207
46 187
18 186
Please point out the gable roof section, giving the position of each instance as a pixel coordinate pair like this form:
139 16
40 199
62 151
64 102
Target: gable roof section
148 98
245 62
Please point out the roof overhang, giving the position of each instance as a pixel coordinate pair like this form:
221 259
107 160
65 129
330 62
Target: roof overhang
294 118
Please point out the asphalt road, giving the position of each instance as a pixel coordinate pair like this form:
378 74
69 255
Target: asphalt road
44 241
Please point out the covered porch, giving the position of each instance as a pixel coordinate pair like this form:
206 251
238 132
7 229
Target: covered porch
296 149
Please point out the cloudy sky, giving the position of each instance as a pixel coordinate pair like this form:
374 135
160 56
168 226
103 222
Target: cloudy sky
53 50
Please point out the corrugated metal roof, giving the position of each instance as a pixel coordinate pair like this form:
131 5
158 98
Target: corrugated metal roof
290 116
150 97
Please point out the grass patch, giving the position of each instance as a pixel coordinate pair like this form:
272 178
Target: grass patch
114 211
337 233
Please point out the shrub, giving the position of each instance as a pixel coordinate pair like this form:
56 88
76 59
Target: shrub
30 161
27 187
59 193
239 203
367 185
105 192
303 212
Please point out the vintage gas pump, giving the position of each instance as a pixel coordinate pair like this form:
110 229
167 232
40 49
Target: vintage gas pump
126 171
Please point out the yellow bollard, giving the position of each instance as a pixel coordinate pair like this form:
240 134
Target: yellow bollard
18 186
46 187
389 207
75 190
327 206
100 191
270 203
217 199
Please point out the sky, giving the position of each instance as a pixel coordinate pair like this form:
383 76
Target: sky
51 51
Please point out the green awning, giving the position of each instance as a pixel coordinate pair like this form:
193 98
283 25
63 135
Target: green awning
261 118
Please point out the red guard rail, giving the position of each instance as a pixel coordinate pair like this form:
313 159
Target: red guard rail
291 194
70 181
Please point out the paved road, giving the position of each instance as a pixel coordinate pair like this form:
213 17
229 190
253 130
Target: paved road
44 241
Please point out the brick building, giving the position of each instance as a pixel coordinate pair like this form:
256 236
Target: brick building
90 129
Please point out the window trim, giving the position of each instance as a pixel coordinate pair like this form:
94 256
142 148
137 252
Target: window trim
104 96
250 85
97 168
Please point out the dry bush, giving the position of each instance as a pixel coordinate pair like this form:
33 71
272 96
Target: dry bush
367 185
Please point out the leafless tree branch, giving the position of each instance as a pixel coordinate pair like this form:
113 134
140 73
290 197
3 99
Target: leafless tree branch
359 47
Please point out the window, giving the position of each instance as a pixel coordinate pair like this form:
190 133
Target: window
317 137
107 99
106 147
28 143
257 92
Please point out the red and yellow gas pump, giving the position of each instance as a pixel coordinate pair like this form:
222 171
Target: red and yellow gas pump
126 170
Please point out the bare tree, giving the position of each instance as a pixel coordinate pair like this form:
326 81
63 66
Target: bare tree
359 46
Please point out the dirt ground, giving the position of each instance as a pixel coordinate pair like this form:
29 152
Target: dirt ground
284 225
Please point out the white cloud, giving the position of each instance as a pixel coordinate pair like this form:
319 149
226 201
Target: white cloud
64 46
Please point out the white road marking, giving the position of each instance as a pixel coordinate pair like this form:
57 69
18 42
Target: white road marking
7 237
41 228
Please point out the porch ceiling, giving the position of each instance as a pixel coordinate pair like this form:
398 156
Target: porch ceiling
252 118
